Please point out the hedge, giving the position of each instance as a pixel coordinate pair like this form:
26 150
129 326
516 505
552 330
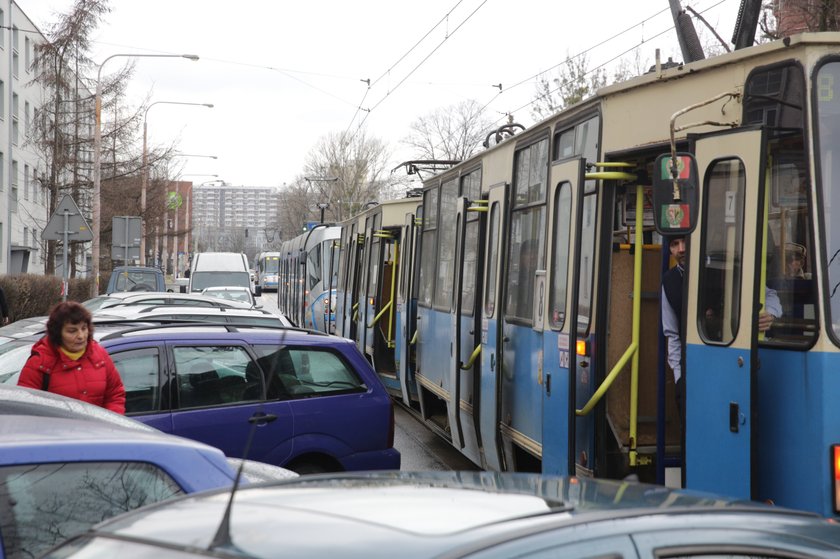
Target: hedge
34 295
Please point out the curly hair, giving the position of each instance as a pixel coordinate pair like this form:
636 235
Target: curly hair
68 312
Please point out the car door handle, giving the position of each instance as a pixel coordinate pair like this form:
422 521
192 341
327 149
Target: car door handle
262 418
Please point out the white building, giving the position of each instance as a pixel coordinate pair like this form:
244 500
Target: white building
23 202
225 216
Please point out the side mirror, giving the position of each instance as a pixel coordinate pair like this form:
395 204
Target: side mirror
675 184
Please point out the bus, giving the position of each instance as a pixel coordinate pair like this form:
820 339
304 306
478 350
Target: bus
268 268
532 316
308 269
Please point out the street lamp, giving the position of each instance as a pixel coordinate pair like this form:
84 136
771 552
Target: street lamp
145 179
97 158
321 205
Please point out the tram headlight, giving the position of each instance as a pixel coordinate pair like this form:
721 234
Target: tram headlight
835 469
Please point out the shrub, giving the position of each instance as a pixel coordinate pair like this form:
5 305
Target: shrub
34 295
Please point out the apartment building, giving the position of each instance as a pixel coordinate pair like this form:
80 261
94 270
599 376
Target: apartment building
238 218
23 202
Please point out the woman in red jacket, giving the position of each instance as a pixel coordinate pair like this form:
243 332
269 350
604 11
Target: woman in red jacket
68 361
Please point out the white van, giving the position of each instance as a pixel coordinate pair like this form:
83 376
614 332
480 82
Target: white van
219 269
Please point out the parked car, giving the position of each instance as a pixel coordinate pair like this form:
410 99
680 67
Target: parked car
136 278
59 476
459 514
232 293
208 381
124 299
17 400
172 313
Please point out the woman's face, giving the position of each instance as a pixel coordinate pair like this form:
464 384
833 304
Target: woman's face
74 337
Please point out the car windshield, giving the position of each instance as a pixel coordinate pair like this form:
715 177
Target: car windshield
100 302
202 280
136 281
230 294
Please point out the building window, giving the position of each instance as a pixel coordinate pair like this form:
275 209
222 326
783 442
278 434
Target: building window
2 174
2 99
26 182
13 203
26 119
15 104
27 52
2 30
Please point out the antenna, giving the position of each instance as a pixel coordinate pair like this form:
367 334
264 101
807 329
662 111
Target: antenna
222 537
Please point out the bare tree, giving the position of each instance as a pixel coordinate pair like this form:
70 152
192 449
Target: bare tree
359 165
61 124
780 19
573 83
449 133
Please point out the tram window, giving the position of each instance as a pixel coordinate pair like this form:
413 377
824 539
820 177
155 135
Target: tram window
531 174
789 260
492 260
447 229
720 270
376 256
526 257
313 265
428 247
587 259
827 93
471 189
560 255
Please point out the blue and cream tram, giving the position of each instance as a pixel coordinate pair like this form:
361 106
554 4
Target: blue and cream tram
308 270
538 280
268 270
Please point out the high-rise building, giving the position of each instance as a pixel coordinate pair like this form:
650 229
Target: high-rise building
233 218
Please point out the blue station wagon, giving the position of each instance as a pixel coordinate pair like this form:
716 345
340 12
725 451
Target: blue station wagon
209 382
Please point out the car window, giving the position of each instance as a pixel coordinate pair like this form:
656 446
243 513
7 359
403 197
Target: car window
140 372
215 375
296 372
192 303
46 504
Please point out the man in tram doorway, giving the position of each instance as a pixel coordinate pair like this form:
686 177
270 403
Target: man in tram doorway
671 305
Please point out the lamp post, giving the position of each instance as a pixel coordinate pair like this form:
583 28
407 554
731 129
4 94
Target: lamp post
321 205
145 179
97 158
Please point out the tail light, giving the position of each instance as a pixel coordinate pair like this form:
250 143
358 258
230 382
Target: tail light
835 470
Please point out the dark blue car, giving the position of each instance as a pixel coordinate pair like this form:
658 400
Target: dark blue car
209 382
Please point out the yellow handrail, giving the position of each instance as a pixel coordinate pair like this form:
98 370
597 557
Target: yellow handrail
633 350
469 365
355 312
378 316
414 337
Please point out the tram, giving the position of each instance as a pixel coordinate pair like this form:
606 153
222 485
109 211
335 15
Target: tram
268 269
528 300
374 301
308 270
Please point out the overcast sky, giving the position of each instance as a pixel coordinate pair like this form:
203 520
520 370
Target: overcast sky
283 74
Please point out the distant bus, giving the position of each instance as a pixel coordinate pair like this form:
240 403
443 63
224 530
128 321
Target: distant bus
268 268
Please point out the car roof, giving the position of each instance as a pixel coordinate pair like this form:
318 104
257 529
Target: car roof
19 400
209 331
125 297
426 514
36 438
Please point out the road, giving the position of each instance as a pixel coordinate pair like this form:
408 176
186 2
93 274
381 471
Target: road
421 449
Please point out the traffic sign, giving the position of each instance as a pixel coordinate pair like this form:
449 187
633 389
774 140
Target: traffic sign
67 219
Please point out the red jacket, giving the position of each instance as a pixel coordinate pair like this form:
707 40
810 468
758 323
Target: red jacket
93 378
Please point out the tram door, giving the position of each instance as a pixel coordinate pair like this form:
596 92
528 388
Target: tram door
559 337
370 286
722 303
406 311
490 307
462 369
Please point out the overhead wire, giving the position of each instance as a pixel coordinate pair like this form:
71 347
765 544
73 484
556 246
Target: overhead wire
419 64
394 65
588 50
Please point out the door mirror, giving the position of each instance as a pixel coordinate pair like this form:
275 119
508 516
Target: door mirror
675 194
